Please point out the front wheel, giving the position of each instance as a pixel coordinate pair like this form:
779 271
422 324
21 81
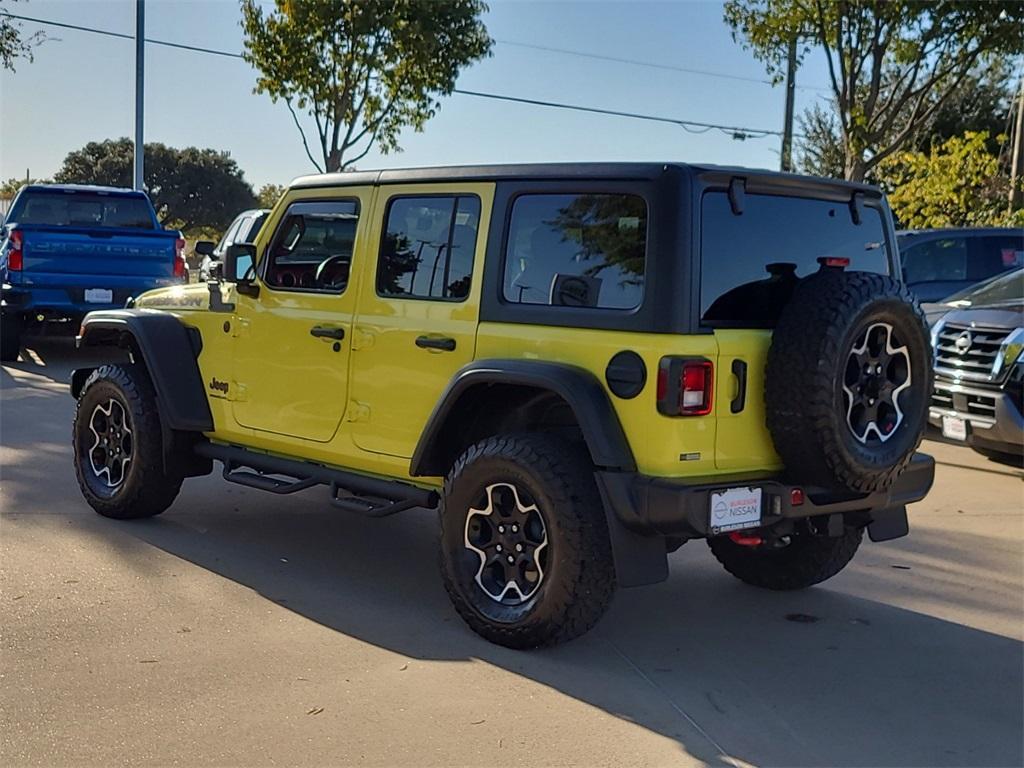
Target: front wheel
800 560
118 445
525 553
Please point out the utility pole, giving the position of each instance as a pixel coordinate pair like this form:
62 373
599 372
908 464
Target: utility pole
1017 156
787 129
140 58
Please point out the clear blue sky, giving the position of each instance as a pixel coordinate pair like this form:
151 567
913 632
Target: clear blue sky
80 88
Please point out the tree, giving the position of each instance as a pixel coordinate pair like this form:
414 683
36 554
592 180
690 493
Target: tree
982 103
362 70
892 63
955 184
9 188
13 45
268 195
191 188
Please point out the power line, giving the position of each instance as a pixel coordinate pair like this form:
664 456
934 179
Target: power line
693 126
122 35
737 131
650 64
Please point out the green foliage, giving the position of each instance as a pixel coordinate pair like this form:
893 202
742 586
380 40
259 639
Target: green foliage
13 44
955 184
981 103
9 188
892 64
362 70
268 195
192 189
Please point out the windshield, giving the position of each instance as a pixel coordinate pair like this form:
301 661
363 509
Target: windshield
74 208
996 290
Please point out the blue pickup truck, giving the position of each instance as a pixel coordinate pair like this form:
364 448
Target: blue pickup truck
67 249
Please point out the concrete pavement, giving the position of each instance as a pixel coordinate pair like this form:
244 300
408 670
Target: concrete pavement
240 628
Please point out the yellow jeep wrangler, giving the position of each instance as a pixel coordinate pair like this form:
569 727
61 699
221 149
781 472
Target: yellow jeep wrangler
580 366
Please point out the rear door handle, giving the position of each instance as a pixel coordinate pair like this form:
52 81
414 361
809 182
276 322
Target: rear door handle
327 332
739 370
433 342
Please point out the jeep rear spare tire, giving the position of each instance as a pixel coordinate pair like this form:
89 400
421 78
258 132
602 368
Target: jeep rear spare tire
848 381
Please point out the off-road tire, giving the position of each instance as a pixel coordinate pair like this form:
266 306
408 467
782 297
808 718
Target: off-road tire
10 337
804 398
579 581
807 560
147 489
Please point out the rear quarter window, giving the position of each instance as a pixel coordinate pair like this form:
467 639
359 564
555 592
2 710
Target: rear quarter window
577 250
751 261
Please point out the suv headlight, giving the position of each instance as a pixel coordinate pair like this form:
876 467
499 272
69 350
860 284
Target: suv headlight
1009 351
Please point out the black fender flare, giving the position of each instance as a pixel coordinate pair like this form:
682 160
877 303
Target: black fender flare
169 350
578 387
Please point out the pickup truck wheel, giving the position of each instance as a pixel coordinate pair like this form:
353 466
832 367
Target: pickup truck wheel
802 561
119 446
525 553
10 338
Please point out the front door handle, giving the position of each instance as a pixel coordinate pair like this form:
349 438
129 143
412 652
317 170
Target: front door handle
433 342
327 332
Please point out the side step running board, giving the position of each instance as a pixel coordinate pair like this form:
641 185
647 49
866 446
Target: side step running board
300 475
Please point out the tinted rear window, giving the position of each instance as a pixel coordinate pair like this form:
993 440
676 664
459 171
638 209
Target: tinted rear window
82 209
750 261
583 250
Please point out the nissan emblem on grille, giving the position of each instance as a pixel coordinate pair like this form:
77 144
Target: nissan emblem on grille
963 342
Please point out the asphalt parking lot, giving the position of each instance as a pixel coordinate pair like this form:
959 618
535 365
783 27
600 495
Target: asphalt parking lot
245 629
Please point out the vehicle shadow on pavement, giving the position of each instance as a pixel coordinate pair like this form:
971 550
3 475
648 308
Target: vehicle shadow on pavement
700 659
729 672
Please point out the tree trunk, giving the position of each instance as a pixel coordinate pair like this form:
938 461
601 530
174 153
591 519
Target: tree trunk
332 161
856 168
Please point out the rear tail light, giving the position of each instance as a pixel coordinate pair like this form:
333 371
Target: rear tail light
179 257
685 386
15 254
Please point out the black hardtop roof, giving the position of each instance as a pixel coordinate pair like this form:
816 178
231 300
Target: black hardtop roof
621 171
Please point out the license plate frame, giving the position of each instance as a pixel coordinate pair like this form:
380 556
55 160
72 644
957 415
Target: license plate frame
735 509
955 428
99 296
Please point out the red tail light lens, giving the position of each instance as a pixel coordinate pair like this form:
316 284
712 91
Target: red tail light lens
15 255
696 395
179 257
685 386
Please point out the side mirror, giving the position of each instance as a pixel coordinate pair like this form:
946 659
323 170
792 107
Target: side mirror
205 248
239 268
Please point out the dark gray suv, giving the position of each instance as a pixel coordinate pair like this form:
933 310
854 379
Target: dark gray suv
979 369
939 262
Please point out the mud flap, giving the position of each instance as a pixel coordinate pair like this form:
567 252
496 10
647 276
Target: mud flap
639 559
887 524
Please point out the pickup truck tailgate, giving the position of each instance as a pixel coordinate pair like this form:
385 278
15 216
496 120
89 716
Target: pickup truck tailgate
121 252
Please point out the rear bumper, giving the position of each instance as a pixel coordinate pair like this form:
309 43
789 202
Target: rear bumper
62 301
668 507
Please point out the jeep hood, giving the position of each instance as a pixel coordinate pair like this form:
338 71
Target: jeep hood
194 296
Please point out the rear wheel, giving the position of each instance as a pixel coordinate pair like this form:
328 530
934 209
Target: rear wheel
797 561
118 444
525 553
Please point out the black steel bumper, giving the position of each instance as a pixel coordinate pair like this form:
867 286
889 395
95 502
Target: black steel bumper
665 507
